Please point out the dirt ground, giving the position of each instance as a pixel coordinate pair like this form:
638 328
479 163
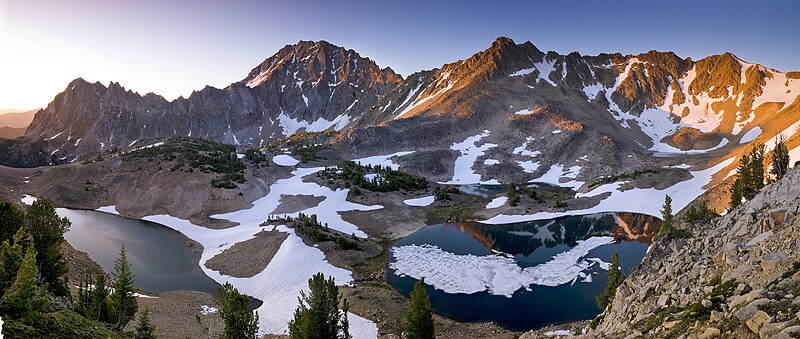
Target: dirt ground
248 258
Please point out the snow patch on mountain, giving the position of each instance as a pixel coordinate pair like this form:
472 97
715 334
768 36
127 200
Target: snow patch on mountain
750 135
291 126
463 173
420 202
382 160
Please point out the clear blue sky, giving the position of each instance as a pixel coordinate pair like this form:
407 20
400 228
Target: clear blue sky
172 47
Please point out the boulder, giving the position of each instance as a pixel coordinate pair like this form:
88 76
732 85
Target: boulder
710 332
758 319
774 261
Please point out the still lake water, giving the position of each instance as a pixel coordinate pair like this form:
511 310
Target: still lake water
542 305
160 257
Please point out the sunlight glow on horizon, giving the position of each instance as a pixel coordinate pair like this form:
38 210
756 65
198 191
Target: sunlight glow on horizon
175 47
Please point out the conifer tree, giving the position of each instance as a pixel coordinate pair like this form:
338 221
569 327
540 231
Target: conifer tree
145 329
11 220
756 170
240 322
615 278
47 230
666 218
780 158
318 314
10 260
513 198
123 298
23 299
99 299
419 321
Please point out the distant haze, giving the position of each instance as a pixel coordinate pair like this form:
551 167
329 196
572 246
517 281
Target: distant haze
174 47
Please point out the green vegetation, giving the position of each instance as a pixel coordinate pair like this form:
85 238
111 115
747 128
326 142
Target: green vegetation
749 176
666 219
145 329
93 300
419 320
47 230
385 179
780 158
240 322
443 192
309 226
197 154
699 212
124 301
31 282
513 198
304 145
615 278
318 315
255 156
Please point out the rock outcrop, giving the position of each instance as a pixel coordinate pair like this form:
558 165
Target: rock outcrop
735 277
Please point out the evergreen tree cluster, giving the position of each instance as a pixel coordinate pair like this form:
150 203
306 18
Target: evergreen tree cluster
240 321
115 305
318 315
699 212
385 180
443 192
515 192
309 226
749 176
780 158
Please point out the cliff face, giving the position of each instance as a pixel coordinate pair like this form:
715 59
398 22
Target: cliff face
737 276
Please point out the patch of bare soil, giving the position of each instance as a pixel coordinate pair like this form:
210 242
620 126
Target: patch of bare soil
248 258
175 314
379 302
394 220
297 203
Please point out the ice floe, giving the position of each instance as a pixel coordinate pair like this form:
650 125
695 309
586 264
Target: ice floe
497 274
420 202
463 173
285 160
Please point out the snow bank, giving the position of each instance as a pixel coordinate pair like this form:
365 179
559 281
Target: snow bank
528 166
497 274
420 202
470 152
280 283
489 162
28 200
558 333
497 202
750 135
285 160
382 160
638 200
111 209
327 211
556 172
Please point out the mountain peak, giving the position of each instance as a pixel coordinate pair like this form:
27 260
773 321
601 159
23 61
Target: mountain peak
502 41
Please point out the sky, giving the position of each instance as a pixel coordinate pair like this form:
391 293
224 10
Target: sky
174 47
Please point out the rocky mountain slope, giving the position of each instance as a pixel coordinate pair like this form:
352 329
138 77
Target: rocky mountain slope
735 277
637 104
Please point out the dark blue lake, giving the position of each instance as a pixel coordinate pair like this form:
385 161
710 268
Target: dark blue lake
529 244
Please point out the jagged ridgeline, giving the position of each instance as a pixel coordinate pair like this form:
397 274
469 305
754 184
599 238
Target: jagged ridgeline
655 101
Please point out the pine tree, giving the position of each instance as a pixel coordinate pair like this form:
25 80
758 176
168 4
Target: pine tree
123 298
345 333
666 218
99 299
11 220
756 171
513 198
146 329
615 278
318 314
240 322
10 260
419 321
47 230
23 299
780 158
736 193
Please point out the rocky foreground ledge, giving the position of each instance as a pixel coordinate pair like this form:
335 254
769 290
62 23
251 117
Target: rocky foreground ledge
735 277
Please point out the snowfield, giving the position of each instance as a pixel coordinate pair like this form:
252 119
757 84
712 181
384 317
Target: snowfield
497 202
382 160
637 200
285 160
497 274
420 202
463 173
750 135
